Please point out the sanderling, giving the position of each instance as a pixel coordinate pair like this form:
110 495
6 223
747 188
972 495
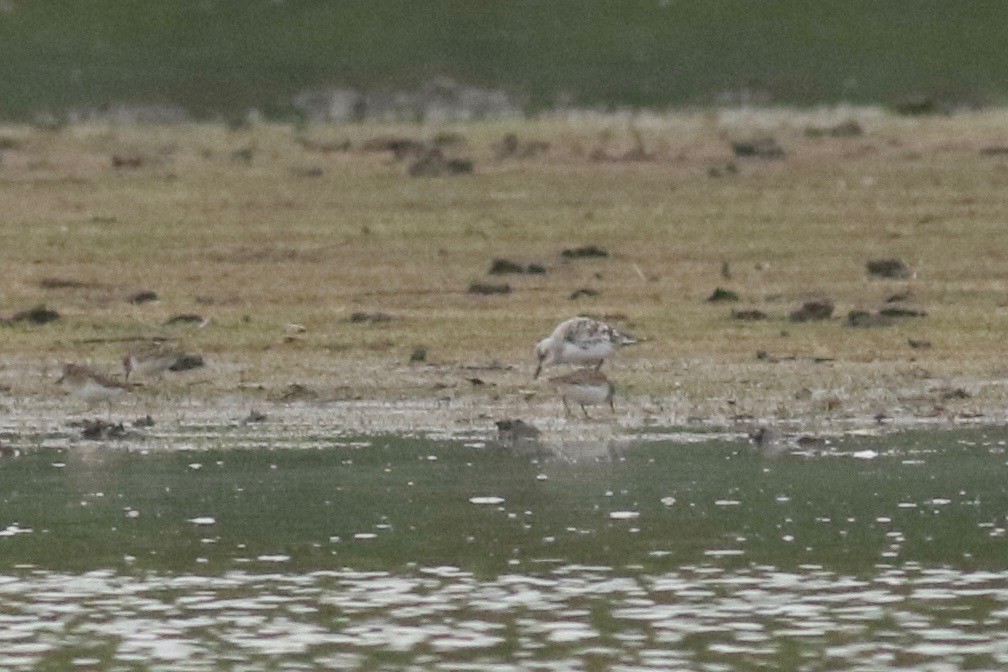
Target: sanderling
586 387
155 358
581 341
89 385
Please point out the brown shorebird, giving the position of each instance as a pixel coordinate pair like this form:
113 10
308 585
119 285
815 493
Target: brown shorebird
92 387
151 359
585 387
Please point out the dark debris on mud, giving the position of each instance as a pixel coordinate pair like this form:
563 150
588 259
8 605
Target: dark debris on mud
38 315
489 289
101 430
584 252
810 311
891 269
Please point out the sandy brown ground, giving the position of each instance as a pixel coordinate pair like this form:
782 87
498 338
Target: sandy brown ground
232 226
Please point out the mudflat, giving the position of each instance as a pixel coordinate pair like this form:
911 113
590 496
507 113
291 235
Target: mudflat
311 263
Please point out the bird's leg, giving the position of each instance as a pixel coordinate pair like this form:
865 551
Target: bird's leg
612 406
585 411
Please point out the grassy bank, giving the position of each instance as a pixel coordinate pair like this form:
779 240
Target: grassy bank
223 56
278 244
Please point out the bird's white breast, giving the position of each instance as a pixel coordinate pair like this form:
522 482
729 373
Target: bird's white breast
585 351
585 394
93 391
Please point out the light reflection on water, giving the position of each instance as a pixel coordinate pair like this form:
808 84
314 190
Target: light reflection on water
410 553
445 618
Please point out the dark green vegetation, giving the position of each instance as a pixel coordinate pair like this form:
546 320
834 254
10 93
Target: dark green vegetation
945 497
220 56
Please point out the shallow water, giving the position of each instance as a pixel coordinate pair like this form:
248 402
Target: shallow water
351 552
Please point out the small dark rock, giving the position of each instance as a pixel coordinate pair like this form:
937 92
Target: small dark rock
845 129
244 155
401 147
184 318
721 294
253 417
765 356
918 345
819 309
955 393
584 252
419 354
893 269
99 430
511 430
722 170
298 392
770 441
433 163
187 363
918 106
896 298
324 147
476 382
749 315
121 161
996 150
146 421
62 283
38 315
510 147
448 139
584 291
864 319
760 148
369 318
501 266
144 296
486 288
894 311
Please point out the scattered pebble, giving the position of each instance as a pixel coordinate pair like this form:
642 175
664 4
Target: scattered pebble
584 252
489 499
143 296
624 515
721 294
893 269
486 288
817 309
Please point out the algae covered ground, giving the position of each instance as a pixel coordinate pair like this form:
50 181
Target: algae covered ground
274 236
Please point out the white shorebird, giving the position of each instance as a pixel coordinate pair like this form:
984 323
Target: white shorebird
583 341
151 359
87 384
585 387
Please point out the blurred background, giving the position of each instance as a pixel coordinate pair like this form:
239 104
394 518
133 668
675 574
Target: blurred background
220 58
